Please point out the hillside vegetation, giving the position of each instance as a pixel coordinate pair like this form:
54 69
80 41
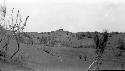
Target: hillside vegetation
58 49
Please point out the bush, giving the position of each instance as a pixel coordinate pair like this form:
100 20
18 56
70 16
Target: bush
3 55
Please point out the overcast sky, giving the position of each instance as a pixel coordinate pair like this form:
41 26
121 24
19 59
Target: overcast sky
71 15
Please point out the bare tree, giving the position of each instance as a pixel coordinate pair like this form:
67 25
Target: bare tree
17 28
14 23
100 43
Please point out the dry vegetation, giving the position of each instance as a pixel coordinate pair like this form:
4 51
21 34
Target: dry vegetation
88 50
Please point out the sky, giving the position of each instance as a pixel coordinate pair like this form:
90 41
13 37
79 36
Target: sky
71 15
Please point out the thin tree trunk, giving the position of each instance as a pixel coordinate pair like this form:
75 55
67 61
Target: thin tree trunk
18 47
98 63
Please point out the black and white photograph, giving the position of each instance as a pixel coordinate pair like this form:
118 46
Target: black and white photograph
62 35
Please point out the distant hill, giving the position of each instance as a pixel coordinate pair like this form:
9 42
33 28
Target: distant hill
61 47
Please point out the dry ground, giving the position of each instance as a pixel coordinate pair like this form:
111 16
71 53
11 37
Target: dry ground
37 60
